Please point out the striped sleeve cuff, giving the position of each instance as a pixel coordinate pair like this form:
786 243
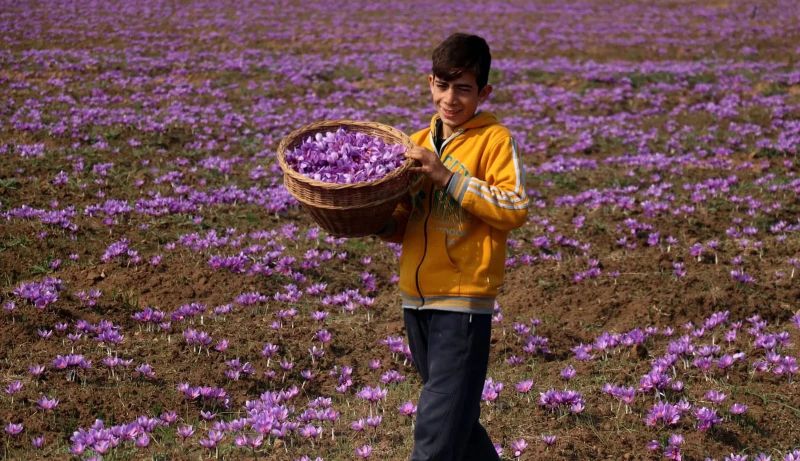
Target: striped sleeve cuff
458 186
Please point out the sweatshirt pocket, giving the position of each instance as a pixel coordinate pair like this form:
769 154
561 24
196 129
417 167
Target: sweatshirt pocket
448 243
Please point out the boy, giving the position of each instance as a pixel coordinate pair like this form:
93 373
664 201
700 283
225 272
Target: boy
453 228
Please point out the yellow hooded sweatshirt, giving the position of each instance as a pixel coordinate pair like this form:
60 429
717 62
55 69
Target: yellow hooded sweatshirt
454 239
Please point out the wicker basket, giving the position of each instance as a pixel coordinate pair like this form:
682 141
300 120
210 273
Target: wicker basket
348 210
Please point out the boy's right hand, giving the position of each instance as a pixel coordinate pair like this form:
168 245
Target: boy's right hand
430 165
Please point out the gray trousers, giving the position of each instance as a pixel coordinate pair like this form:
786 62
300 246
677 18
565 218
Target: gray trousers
451 353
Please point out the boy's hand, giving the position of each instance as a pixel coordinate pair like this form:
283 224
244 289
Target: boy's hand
430 165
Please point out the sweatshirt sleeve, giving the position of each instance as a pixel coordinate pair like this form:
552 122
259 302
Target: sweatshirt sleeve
499 200
396 227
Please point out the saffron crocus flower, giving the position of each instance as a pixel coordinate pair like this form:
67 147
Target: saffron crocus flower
549 440
213 439
568 373
706 418
142 440
221 346
663 412
310 431
738 409
13 387
715 396
358 425
269 350
555 400
364 451
524 386
491 390
47 404
372 394
735 457
793 456
345 157
184 432
673 452
146 370
14 429
676 439
38 442
374 421
518 447
407 408
168 417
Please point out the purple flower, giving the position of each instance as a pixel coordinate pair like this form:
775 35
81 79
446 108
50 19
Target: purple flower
793 456
663 412
372 394
524 386
715 396
168 417
392 376
146 370
345 157
142 440
358 425
555 400
374 421
13 387
310 431
213 439
47 404
549 440
568 373
738 409
673 452
735 457
38 442
706 418
407 408
364 451
518 447
14 429
491 390
184 432
40 294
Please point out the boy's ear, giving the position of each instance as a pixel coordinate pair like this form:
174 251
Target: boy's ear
484 93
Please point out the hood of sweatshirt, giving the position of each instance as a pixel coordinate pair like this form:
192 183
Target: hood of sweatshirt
480 119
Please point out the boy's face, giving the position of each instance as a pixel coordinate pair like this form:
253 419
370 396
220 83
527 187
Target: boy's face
456 100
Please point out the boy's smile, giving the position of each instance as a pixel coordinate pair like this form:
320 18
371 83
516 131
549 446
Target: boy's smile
456 100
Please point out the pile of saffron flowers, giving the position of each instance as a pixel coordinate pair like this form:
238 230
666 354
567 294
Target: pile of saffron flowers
345 157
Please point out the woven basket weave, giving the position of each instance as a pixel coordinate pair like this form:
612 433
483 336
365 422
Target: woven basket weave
347 210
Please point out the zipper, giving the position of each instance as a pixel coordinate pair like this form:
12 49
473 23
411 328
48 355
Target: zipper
439 153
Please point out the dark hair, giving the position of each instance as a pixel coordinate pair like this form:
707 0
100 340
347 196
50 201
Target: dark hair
460 53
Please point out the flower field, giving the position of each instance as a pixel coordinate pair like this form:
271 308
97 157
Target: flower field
164 297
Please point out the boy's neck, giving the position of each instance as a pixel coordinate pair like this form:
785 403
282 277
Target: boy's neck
445 131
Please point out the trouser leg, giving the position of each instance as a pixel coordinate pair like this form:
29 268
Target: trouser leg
479 446
451 352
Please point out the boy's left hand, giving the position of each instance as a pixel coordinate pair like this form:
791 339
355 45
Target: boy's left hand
430 165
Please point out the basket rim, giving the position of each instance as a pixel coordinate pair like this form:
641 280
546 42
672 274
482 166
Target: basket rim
299 133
